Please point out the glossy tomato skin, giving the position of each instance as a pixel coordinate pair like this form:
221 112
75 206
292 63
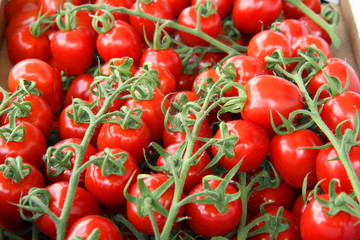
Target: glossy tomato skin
206 220
11 192
290 11
84 204
20 19
292 29
291 161
223 6
177 6
292 233
252 146
210 25
22 45
66 174
267 93
84 227
250 16
299 204
144 224
72 51
117 3
306 40
314 28
79 88
121 41
315 224
31 149
335 67
327 169
108 190
134 141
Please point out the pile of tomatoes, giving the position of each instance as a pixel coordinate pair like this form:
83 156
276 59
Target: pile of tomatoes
177 119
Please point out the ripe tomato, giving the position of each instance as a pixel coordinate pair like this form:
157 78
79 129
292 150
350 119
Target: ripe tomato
85 23
66 174
252 146
316 224
306 40
11 192
327 169
177 6
315 28
267 93
31 149
251 16
210 25
223 6
291 161
16 6
290 11
299 204
108 190
143 224
20 19
117 3
206 220
292 29
83 205
121 41
85 225
79 88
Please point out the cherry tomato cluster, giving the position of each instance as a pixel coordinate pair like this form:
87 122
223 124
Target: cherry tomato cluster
177 119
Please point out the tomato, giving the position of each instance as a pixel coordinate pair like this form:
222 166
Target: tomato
251 16
291 161
252 146
20 19
15 6
210 25
292 29
306 40
105 68
327 169
11 192
283 195
83 205
116 3
51 6
196 171
166 57
158 9
299 204
267 93
223 6
201 76
108 190
66 174
33 70
22 45
31 149
316 224
206 220
152 115
315 28
135 141
337 68
72 51
85 23
266 42
121 41
143 224
79 88
177 6
186 82
293 232
84 227
290 11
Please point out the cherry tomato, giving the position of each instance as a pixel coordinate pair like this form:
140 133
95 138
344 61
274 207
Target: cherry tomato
177 6
83 205
251 16
292 29
85 23
206 220
20 19
299 204
108 190
85 225
117 3
16 6
306 40
223 6
315 28
290 11
79 88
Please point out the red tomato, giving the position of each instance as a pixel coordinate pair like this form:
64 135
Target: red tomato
105 68
201 76
252 146
108 190
210 25
293 232
177 6
31 149
266 42
16 6
116 3
315 28
292 29
121 41
72 51
299 204
196 172
11 192
251 16
206 220
290 11
135 141
223 6
283 195
83 205
22 45
316 224
79 88
85 23
66 174
186 82
20 19
327 169
159 9
143 224
335 67
291 161
270 93
84 227
306 40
